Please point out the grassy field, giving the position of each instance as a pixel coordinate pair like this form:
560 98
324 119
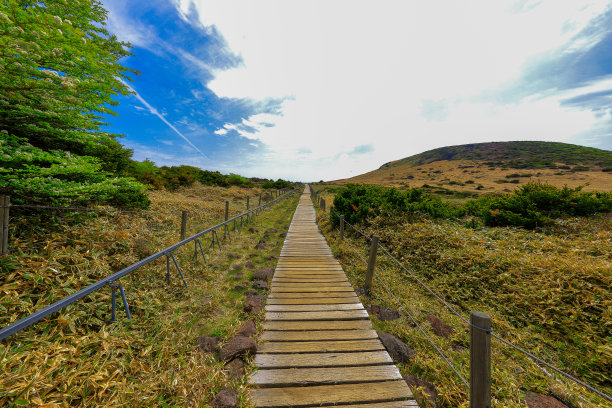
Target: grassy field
75 358
547 291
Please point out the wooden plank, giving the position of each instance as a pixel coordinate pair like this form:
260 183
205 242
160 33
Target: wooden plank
320 315
313 335
317 325
306 285
362 358
330 346
285 377
294 295
330 394
307 301
395 404
311 289
313 308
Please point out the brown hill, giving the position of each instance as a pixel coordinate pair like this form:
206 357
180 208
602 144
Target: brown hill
497 167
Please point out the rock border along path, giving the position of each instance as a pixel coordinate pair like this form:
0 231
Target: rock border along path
319 346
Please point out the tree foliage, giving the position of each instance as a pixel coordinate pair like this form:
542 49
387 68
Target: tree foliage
59 74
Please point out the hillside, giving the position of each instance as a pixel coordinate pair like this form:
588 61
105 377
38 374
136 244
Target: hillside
497 167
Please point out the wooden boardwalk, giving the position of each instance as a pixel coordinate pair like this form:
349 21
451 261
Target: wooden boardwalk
319 348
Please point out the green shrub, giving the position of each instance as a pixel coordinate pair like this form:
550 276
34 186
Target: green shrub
357 202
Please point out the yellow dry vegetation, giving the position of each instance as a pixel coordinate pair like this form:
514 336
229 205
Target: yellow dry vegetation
548 291
468 175
75 357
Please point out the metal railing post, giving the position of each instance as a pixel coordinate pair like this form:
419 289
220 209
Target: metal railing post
341 227
480 360
184 224
5 202
371 263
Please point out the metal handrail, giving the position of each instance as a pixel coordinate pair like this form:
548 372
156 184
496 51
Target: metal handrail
110 280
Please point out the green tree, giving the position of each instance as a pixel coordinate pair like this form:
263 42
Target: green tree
59 73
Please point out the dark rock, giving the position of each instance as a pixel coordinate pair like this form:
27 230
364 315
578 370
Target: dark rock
252 230
383 313
236 267
260 285
263 274
270 258
260 245
535 400
219 312
271 230
253 304
252 292
206 300
239 287
208 344
438 326
251 256
237 346
429 392
282 234
397 349
249 264
236 368
360 291
225 398
232 256
248 329
236 275
142 246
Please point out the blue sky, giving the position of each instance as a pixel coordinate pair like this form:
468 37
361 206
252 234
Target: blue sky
319 89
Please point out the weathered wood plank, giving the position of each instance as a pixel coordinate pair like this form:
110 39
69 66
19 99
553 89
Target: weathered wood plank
319 315
317 325
363 358
306 301
285 295
319 376
330 346
314 335
330 394
313 308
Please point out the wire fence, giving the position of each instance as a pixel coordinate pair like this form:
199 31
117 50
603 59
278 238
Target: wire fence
112 280
452 310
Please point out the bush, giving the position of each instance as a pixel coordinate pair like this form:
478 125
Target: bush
357 202
535 204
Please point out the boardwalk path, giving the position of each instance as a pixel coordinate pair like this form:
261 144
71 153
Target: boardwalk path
319 347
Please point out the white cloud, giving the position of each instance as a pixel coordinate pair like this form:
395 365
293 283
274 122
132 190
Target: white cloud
361 72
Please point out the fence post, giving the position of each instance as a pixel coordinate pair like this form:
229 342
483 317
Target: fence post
480 360
247 203
226 210
184 224
341 227
371 263
259 200
5 202
323 205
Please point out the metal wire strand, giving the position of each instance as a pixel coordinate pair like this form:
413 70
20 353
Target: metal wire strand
353 227
356 252
84 209
428 289
539 360
422 331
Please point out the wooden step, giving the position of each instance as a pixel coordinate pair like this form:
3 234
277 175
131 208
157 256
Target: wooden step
318 325
314 335
363 358
285 377
330 394
331 346
313 308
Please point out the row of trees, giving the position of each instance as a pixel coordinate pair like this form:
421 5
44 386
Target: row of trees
59 74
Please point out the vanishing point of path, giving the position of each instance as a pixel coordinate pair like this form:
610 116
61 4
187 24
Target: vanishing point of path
319 347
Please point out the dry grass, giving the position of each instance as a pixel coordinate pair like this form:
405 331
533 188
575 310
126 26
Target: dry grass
467 176
75 358
546 291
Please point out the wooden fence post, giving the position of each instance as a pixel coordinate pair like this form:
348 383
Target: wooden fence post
184 224
371 263
226 210
480 360
5 202
247 203
323 204
341 227
259 200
